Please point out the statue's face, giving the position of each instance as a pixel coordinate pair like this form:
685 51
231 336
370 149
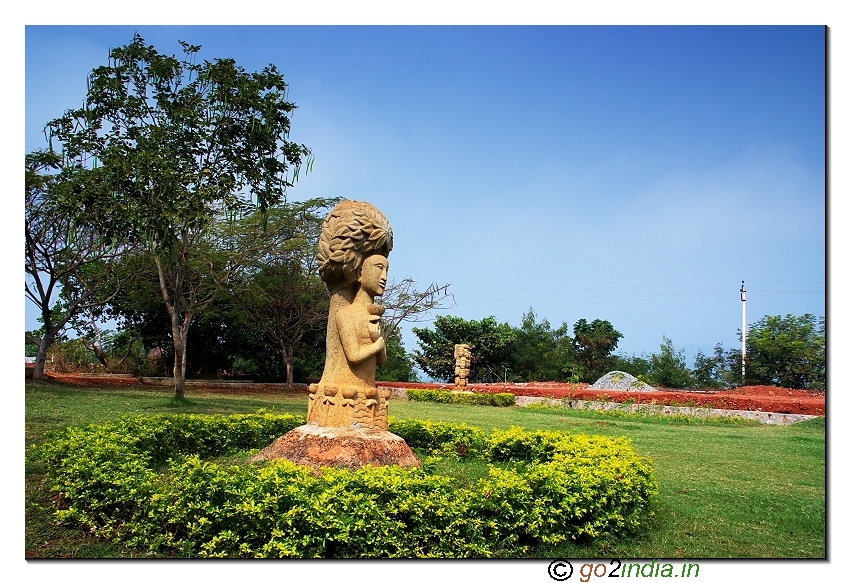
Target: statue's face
373 274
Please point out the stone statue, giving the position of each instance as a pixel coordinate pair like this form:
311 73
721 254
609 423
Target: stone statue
347 414
353 261
463 359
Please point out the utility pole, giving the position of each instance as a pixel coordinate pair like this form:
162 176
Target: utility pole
743 333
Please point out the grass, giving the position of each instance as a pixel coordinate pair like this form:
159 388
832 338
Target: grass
728 490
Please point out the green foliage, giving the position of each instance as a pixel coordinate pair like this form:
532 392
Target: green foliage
637 366
517 444
534 351
594 344
149 481
722 369
669 368
124 353
787 351
461 398
67 267
282 295
540 353
489 341
275 305
177 139
71 355
399 366
162 150
453 440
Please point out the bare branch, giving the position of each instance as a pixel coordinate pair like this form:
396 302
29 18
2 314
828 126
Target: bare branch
404 303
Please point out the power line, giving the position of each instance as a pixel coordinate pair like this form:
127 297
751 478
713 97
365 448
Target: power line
784 281
603 287
647 295
635 286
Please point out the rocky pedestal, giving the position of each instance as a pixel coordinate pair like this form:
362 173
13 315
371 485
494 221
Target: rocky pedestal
343 447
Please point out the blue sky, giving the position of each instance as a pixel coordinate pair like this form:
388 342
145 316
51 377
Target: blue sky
635 174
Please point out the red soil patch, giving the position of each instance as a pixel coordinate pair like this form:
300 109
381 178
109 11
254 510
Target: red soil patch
78 379
194 386
751 398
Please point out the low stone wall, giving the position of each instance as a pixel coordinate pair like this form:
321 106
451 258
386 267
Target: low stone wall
765 417
397 392
100 375
218 384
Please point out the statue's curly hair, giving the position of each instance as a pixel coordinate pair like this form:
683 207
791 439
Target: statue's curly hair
353 231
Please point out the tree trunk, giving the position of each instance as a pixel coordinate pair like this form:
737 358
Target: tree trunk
288 359
179 330
179 370
179 335
41 358
98 352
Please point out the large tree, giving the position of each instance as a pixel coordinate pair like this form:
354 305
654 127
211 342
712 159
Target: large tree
787 351
282 294
490 341
668 367
541 353
594 344
177 146
220 333
68 269
717 370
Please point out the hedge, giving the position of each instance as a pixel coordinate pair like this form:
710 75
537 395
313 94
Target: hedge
439 396
145 481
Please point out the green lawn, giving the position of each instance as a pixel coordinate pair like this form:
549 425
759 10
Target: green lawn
726 490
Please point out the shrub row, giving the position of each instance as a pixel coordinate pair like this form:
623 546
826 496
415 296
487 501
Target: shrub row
144 480
441 396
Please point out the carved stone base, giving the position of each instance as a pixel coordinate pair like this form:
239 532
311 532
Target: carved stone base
345 447
345 405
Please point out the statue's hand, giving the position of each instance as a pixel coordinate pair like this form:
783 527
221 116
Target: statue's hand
375 329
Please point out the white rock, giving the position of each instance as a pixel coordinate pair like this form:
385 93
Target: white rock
621 381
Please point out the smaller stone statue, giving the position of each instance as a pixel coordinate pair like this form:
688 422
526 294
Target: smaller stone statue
463 358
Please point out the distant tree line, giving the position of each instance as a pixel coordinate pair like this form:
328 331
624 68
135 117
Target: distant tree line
784 351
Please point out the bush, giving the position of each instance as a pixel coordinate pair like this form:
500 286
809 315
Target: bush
454 440
145 481
71 356
518 444
454 397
